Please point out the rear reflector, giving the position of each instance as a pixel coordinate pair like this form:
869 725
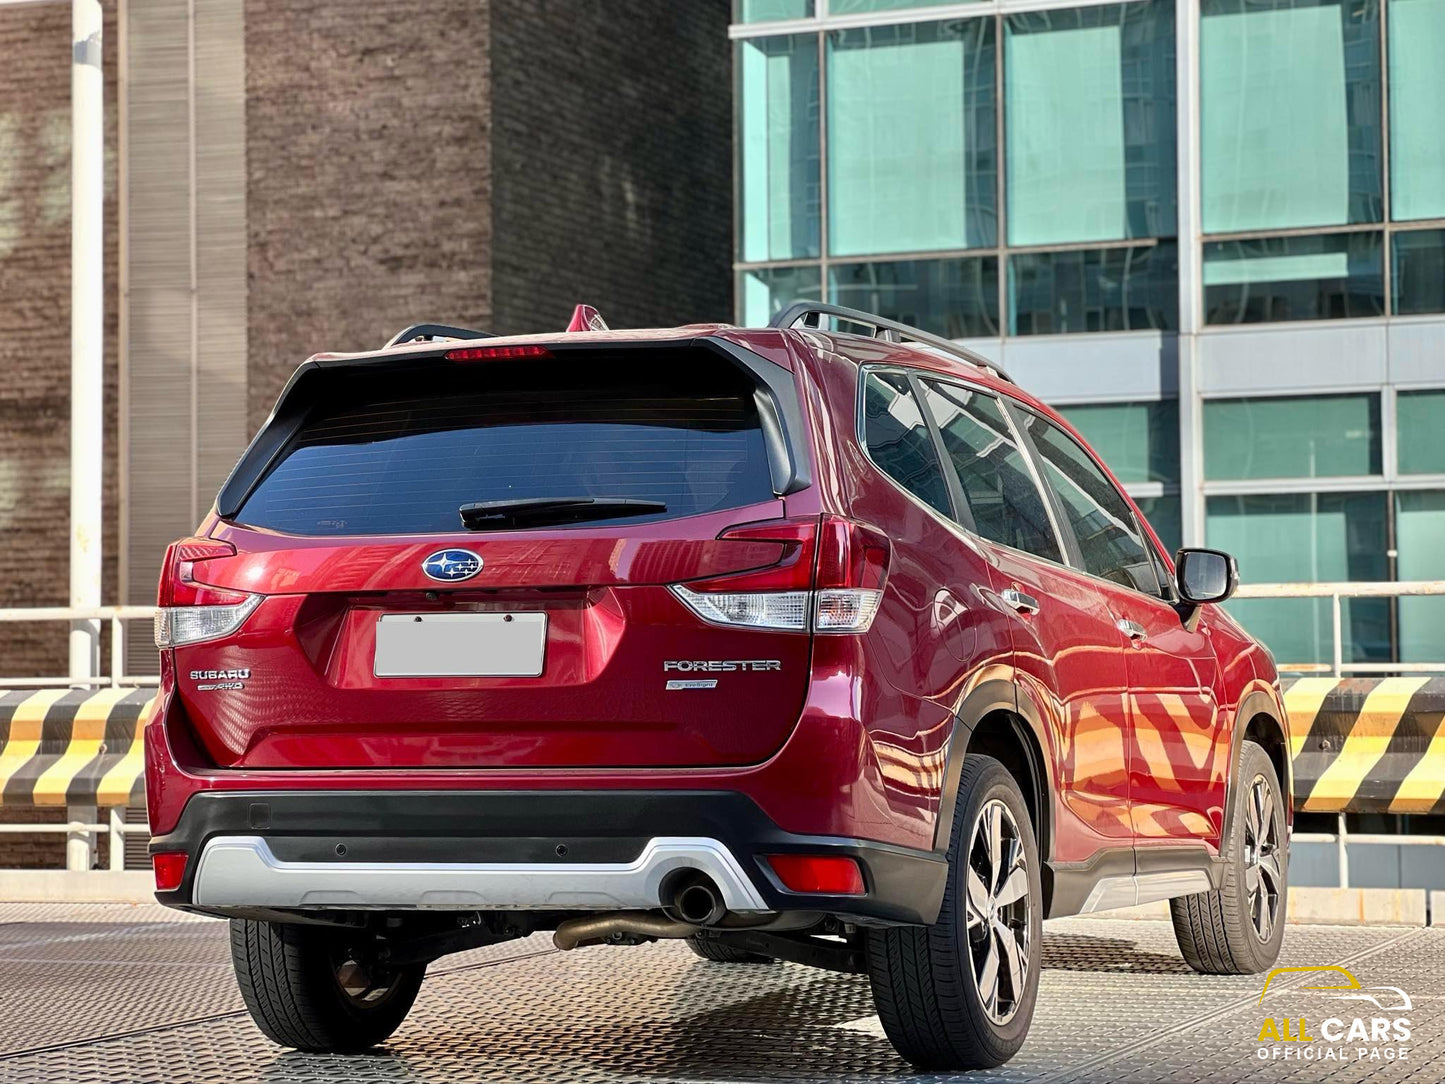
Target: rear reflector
170 869
831 875
487 353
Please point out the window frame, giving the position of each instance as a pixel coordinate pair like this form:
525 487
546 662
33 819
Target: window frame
962 519
960 496
860 424
1074 552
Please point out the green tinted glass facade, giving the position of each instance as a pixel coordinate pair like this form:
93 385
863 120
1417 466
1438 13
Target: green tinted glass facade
930 127
1272 279
1288 538
1262 365
1419 534
854 7
956 297
1419 272
892 132
1289 113
1317 437
1139 441
1417 104
1163 515
778 180
912 147
1090 137
764 291
1420 421
1129 288
767 11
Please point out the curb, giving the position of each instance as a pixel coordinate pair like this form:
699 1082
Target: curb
76 886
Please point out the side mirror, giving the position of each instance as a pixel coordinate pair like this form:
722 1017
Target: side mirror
1205 575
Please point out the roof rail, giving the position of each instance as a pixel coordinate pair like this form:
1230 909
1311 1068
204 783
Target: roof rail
883 328
427 332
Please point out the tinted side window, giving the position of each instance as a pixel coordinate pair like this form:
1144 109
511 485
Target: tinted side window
1112 546
1006 504
898 439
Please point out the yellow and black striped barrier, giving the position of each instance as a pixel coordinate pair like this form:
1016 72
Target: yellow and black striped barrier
1367 745
1359 745
72 746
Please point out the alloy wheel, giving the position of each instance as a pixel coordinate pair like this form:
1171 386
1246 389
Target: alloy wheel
997 906
1263 876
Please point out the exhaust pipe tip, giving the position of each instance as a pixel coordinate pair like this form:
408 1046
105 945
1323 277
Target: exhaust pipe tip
691 896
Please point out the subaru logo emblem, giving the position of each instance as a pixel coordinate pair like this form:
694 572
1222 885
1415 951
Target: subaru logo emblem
450 566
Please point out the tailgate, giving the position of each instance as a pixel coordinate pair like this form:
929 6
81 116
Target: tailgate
390 636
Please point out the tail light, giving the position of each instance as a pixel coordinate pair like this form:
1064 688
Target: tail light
188 612
830 580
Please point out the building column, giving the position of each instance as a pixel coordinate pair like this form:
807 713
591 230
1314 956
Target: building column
80 846
87 328
183 388
1191 301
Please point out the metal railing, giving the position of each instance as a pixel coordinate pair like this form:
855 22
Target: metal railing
1338 666
1342 837
115 826
117 616
1335 592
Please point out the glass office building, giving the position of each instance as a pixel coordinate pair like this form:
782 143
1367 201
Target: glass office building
1212 232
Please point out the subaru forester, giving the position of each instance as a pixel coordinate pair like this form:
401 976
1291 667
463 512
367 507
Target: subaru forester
823 642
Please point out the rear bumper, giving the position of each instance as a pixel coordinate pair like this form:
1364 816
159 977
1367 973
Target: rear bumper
515 850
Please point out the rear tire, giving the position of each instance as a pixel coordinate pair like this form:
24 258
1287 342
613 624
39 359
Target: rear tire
305 987
929 982
710 948
1238 928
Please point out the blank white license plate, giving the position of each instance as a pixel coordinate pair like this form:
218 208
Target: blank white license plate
460 645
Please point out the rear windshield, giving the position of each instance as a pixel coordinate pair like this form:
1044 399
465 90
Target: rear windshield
400 453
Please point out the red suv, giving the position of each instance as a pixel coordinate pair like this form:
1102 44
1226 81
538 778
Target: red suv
799 644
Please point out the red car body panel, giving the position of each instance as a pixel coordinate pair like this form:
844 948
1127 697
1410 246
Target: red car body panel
850 737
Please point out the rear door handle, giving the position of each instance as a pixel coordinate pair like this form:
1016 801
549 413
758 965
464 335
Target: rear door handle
1131 629
1024 604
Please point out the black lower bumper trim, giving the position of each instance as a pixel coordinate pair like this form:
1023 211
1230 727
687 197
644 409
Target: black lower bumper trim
903 885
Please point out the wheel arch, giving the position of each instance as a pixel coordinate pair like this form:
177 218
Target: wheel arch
990 722
1260 718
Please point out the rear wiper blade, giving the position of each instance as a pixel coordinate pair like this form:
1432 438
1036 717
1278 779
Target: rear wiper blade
491 515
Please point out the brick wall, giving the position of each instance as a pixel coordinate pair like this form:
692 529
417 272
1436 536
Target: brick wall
389 144
612 144
370 204
368 176
35 326
37 850
372 135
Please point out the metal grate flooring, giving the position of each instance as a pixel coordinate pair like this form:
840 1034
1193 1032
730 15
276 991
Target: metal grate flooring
138 993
